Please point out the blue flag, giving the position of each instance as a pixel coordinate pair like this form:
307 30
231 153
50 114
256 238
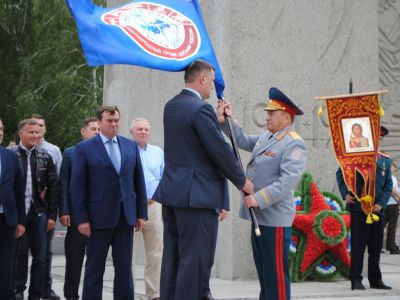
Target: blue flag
158 34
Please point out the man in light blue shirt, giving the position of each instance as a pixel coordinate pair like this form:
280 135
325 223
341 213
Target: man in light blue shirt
152 158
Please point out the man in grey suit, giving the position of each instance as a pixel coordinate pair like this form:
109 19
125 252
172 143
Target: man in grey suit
277 161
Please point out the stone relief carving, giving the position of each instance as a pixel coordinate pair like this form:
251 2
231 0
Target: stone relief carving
389 74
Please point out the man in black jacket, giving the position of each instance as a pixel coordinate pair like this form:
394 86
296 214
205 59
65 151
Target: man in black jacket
40 183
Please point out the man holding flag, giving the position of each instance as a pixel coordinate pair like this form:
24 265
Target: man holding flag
193 186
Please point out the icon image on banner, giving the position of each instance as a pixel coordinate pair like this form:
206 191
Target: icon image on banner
357 134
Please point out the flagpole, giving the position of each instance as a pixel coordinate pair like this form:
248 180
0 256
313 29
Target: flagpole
253 216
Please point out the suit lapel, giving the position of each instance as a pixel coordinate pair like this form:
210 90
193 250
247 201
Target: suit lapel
122 149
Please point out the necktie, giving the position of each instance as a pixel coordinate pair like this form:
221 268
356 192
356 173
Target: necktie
113 155
28 188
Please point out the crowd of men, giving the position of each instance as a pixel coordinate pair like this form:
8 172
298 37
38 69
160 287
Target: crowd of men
110 190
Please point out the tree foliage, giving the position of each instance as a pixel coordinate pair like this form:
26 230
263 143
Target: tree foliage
43 70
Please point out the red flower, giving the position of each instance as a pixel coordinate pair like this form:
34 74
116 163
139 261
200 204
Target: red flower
321 237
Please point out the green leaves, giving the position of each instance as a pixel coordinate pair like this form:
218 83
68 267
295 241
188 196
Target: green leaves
43 70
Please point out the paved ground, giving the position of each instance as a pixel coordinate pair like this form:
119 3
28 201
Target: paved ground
248 290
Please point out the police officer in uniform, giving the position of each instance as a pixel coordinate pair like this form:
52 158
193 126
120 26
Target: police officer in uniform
277 161
363 234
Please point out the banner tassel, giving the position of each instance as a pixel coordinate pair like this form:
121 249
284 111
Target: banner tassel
371 218
320 111
381 110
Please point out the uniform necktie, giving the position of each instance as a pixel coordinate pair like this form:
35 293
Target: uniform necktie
113 155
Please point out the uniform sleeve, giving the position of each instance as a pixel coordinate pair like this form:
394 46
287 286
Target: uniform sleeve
341 184
244 141
206 126
293 163
387 186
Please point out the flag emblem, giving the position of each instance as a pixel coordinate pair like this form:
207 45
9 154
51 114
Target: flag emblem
159 30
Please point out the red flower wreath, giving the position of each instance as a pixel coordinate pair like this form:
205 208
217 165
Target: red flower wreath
320 235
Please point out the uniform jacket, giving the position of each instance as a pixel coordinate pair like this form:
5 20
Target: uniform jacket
11 189
44 181
275 167
97 190
383 185
197 158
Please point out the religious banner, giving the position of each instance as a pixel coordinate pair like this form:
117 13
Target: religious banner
354 121
159 34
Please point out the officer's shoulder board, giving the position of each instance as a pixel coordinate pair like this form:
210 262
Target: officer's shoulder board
294 135
291 133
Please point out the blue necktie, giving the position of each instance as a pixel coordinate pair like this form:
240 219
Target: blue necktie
113 155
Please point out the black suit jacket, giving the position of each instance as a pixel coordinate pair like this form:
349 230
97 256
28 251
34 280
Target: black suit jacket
197 158
12 196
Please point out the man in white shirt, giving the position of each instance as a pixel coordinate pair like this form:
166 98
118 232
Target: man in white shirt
152 158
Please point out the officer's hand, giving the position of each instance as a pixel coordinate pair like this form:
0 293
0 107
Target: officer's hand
350 199
19 231
65 220
248 187
51 224
376 208
223 214
250 201
223 107
139 225
84 229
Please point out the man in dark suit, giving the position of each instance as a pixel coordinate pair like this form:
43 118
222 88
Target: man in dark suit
12 216
75 242
193 186
108 199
